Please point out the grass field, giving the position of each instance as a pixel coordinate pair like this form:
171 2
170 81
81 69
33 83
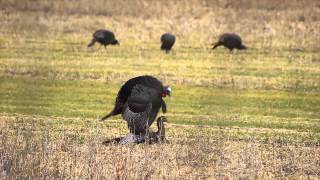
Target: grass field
251 114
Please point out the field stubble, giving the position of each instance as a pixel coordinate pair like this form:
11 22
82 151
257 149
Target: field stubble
32 148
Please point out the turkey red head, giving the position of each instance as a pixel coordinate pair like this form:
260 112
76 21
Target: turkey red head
166 91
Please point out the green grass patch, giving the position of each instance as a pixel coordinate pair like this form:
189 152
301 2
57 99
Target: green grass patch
188 104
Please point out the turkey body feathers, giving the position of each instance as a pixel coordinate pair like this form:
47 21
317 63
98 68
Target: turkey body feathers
126 90
167 41
230 41
141 108
104 37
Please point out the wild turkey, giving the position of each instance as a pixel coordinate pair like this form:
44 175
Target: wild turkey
154 137
167 41
104 37
139 101
126 89
230 41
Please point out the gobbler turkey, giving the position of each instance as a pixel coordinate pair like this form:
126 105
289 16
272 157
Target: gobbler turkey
104 37
139 101
167 41
230 41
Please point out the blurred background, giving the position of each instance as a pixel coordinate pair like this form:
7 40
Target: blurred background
262 23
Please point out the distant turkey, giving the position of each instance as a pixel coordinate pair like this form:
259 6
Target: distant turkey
104 37
139 101
230 41
167 41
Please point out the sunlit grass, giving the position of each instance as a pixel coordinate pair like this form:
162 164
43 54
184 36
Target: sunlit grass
188 105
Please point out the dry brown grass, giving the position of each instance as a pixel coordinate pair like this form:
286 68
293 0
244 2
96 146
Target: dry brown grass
33 150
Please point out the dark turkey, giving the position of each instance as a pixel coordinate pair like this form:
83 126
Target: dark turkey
139 101
230 41
104 37
167 41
